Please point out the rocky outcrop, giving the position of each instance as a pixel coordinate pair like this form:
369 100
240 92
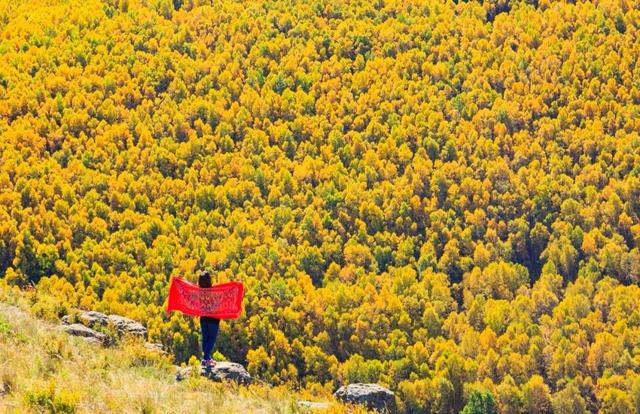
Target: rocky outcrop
88 318
127 326
85 333
372 396
222 371
92 318
124 326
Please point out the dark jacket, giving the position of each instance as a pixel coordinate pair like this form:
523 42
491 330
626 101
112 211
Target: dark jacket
204 281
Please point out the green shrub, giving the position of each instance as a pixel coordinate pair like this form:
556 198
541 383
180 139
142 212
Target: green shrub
57 347
45 397
5 328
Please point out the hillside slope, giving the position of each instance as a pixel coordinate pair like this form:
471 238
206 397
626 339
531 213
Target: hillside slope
44 370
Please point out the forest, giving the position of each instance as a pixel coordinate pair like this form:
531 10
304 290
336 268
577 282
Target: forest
442 197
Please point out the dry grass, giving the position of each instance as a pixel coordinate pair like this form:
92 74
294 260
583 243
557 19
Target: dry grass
44 370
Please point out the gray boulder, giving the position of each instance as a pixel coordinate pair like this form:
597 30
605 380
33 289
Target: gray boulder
88 318
222 371
120 323
183 373
92 318
85 333
127 326
372 396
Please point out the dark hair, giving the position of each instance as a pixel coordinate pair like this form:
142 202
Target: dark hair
204 280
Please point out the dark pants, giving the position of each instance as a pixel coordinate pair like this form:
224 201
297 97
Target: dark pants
209 327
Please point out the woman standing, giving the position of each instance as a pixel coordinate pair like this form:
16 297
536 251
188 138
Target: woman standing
208 326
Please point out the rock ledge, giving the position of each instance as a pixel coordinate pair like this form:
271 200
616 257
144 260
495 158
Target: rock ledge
85 333
120 323
372 396
223 371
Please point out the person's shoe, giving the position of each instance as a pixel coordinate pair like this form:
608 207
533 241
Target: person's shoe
208 363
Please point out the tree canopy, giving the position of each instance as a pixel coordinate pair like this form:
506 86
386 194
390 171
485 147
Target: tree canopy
441 197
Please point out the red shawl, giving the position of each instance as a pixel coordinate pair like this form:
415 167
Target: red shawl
223 301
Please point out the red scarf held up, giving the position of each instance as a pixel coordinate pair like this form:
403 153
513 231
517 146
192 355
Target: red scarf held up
223 301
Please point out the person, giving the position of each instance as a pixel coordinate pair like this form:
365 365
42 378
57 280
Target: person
208 326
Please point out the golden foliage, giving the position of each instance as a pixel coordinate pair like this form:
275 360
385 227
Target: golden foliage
394 182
